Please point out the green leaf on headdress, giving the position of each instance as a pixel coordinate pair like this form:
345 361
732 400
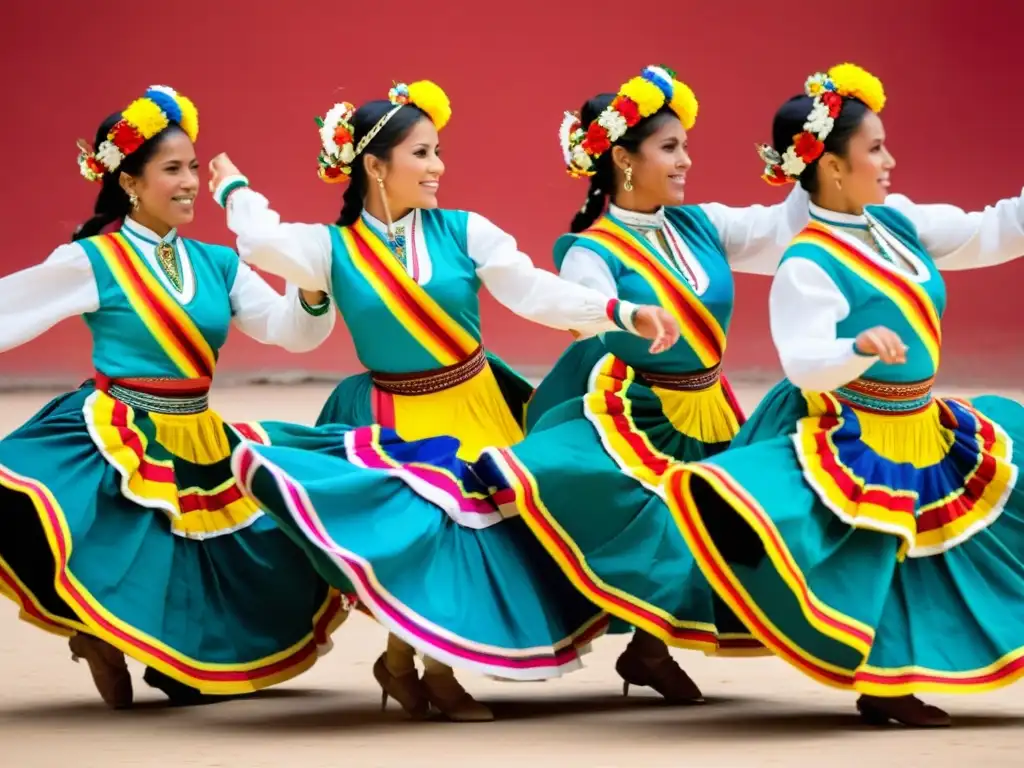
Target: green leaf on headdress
319 122
671 72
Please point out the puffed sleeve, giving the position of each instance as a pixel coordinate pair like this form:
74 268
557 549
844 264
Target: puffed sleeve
35 299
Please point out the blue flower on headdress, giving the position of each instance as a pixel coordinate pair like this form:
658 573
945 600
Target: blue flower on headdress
661 78
399 94
167 103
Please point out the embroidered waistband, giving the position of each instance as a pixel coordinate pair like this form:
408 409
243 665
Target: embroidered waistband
682 382
429 382
889 397
169 396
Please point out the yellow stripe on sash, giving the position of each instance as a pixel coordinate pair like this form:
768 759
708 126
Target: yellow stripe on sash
167 321
913 301
699 327
424 319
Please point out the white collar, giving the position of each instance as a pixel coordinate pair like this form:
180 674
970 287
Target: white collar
380 226
836 219
638 219
147 235
847 221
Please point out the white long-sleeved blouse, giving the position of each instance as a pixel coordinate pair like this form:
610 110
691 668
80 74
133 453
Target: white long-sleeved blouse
806 305
302 253
35 299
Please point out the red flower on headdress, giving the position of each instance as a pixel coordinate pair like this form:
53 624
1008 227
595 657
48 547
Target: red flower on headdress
342 136
833 101
330 172
776 176
596 141
628 109
808 147
94 166
125 137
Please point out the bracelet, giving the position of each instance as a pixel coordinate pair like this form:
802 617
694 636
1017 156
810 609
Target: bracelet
229 186
315 310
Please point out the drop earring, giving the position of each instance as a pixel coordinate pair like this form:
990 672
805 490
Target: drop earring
395 235
133 200
628 185
384 202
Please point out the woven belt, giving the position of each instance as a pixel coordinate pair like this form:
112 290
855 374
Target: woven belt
887 396
180 397
431 381
682 382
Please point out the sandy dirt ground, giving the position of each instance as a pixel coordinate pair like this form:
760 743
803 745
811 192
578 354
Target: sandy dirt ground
761 712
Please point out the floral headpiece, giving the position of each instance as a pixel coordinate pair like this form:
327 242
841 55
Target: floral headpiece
828 89
337 135
142 120
639 98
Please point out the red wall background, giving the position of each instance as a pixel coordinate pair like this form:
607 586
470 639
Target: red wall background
259 71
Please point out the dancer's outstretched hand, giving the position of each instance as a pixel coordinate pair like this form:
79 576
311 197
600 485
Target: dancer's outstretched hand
882 342
658 325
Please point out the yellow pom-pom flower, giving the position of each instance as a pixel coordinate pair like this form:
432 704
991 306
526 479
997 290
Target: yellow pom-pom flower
684 104
645 94
433 100
146 117
855 82
189 116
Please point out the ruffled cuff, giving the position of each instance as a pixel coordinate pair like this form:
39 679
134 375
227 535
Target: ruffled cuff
226 187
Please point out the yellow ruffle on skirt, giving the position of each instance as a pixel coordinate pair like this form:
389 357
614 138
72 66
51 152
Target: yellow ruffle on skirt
174 463
933 477
474 411
703 414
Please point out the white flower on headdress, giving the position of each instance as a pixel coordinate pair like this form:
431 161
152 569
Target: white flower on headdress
109 156
819 110
819 122
614 123
815 84
335 115
566 131
347 154
581 159
792 165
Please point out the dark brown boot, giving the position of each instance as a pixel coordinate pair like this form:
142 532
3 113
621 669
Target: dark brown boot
646 662
109 670
907 710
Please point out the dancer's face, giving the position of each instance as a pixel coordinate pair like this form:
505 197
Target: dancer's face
659 165
413 172
167 185
863 174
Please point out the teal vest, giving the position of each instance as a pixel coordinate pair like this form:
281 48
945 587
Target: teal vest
704 242
124 346
870 305
383 342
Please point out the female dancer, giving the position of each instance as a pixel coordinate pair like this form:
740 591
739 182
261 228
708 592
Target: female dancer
865 530
607 421
125 528
411 274
211 595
